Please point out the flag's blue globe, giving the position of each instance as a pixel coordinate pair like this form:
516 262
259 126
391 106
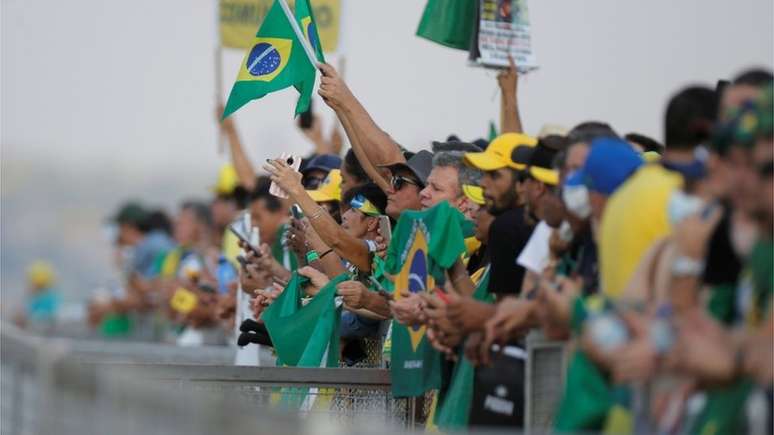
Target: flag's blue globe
417 273
263 59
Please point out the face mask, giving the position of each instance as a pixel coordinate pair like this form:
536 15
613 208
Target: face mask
743 236
681 205
576 198
565 232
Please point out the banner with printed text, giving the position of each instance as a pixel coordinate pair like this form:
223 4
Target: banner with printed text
239 20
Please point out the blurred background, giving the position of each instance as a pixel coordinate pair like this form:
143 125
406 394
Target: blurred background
108 101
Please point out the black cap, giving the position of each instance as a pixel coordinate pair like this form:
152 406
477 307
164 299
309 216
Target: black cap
542 157
130 213
322 162
420 164
456 145
521 155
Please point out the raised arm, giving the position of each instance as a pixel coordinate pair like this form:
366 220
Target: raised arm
347 247
372 143
510 119
244 169
376 174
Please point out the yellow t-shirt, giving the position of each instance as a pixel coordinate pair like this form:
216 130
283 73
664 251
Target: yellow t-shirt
634 218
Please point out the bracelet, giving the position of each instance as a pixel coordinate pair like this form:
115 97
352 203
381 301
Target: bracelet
326 253
317 214
312 256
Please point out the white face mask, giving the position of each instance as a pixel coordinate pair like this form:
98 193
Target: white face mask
681 205
743 236
576 199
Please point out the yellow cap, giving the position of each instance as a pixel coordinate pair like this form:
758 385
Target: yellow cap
498 153
227 180
40 274
547 176
330 189
474 193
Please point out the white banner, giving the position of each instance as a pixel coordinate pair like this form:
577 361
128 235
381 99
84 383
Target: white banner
504 29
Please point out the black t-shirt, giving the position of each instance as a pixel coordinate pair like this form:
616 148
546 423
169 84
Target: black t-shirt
507 236
722 264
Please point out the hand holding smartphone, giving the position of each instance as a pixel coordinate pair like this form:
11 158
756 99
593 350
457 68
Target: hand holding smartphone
295 163
241 229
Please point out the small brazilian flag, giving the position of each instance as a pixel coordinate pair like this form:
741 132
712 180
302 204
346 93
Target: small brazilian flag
276 60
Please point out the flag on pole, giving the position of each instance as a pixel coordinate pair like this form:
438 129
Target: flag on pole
305 18
278 58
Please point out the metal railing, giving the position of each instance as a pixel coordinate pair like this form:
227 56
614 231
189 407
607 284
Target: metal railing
68 386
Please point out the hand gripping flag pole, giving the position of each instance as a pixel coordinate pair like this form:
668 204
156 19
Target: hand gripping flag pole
299 34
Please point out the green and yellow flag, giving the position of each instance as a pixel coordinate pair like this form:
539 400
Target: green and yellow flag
276 60
424 244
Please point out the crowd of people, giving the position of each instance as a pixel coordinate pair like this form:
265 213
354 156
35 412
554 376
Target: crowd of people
651 260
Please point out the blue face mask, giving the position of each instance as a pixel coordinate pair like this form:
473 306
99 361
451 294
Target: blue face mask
681 205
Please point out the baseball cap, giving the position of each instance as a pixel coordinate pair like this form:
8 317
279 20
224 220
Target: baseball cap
420 164
40 274
130 213
474 193
541 165
498 154
322 162
329 190
456 145
552 130
227 180
610 162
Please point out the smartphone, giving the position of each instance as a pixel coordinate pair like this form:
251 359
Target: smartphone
239 228
307 118
294 162
298 214
385 229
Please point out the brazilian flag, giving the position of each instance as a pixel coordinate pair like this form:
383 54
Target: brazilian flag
277 60
424 244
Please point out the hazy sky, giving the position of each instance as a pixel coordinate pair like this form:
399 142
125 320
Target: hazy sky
104 100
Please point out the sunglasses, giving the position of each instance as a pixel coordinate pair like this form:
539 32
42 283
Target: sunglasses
312 183
398 182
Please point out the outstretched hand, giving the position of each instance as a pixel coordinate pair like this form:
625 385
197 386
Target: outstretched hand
508 79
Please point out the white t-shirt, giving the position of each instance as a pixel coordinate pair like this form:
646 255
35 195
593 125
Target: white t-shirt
536 253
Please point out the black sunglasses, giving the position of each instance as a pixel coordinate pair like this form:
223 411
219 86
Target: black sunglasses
398 182
312 183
